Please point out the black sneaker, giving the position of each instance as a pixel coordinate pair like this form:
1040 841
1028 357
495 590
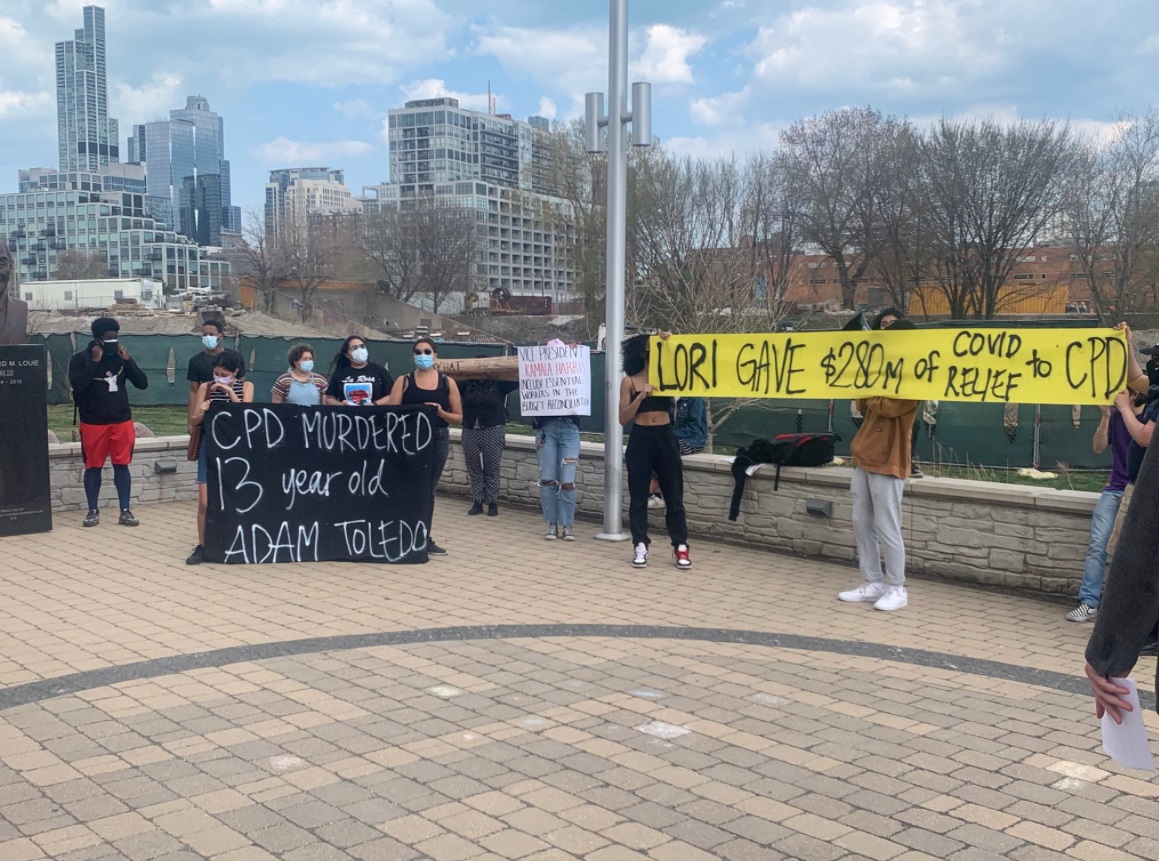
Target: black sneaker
197 556
1150 648
915 472
477 508
127 518
93 518
493 509
434 549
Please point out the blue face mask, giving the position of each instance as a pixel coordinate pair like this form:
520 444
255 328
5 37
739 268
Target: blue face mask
424 362
210 341
307 365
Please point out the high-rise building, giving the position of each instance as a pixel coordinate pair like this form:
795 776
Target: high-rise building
435 140
104 215
501 170
298 192
523 240
88 136
185 161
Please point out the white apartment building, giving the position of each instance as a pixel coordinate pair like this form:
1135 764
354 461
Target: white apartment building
302 191
523 240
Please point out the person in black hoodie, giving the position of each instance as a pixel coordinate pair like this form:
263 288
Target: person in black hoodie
484 436
99 376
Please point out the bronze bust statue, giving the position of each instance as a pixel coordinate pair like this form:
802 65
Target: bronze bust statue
13 311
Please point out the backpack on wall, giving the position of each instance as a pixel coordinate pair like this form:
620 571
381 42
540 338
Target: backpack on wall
786 449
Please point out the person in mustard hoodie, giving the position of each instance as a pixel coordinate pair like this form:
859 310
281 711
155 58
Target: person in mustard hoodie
881 463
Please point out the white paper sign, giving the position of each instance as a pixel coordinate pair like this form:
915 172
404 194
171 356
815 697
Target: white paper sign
1126 742
555 381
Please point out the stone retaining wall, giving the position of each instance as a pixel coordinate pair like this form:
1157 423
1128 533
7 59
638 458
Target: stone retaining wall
1017 536
150 486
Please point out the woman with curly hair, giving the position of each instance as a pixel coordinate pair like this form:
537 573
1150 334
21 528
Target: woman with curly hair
652 449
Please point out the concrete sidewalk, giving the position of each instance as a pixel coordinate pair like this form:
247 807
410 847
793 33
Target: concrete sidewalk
525 699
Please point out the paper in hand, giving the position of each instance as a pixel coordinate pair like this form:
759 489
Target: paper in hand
1126 742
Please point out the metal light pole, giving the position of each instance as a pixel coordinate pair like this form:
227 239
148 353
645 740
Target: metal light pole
616 121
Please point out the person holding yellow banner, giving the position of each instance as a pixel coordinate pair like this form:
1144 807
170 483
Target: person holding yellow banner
652 449
882 452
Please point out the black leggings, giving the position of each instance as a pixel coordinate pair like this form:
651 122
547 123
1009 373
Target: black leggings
654 450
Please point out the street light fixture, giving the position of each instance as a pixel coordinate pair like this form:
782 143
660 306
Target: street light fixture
616 121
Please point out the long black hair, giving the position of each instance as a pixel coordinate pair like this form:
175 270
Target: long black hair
341 360
886 312
634 354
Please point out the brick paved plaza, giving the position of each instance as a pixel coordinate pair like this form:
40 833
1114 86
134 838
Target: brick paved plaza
524 700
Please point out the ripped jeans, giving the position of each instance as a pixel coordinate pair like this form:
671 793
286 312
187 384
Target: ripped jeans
557 446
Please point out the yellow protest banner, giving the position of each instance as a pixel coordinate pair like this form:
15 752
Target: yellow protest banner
1038 366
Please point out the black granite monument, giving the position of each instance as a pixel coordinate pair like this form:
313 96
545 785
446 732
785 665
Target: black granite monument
25 493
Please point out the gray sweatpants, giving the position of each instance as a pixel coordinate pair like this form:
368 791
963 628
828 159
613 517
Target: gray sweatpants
877 526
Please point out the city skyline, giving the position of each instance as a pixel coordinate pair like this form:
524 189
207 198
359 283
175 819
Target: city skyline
301 85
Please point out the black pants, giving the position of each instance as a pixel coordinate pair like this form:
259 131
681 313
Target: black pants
654 450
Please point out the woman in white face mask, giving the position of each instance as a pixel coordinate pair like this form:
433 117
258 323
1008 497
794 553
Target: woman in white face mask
357 381
300 385
425 385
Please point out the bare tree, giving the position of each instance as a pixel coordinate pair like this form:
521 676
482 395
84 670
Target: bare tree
445 235
990 191
77 265
580 178
703 235
260 258
388 241
307 253
1112 213
898 250
835 160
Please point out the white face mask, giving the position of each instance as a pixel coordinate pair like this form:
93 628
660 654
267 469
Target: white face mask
360 354
225 381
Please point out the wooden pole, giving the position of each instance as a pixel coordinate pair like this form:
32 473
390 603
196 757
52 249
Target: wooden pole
491 368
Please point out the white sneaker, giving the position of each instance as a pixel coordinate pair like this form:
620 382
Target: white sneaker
864 592
655 501
1082 613
640 559
894 599
552 532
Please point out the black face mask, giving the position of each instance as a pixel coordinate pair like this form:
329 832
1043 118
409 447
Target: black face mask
1153 372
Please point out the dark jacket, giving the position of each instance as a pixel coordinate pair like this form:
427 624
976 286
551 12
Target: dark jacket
691 422
1130 605
485 402
98 402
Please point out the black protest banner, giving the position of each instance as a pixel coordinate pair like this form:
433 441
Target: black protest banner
290 483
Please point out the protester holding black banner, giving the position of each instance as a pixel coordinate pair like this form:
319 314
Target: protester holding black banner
425 385
300 385
200 368
652 449
99 376
357 381
484 437
227 386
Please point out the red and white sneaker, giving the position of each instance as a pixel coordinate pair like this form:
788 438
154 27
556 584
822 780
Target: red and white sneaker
681 558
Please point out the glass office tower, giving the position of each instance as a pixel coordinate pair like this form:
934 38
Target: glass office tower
87 134
185 161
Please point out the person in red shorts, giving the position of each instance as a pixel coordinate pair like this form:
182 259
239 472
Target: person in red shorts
99 376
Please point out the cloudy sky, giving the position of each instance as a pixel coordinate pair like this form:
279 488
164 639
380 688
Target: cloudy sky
309 81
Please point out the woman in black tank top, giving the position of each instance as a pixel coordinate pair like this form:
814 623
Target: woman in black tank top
425 385
652 449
